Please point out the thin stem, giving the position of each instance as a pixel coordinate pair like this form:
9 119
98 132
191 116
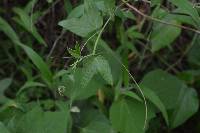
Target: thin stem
184 53
55 43
98 37
140 90
88 40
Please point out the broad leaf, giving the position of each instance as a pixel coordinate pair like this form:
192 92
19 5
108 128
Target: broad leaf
3 129
37 121
93 121
76 12
76 90
128 116
104 69
149 94
164 35
112 57
97 127
173 93
186 106
89 22
96 65
109 6
164 85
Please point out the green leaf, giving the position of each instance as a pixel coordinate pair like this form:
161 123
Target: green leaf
173 93
89 22
4 84
96 65
134 34
185 19
156 101
156 2
186 106
30 84
80 89
8 30
89 70
193 54
132 95
25 21
109 6
164 35
94 121
3 129
29 6
128 116
76 12
60 73
97 127
104 69
76 53
125 14
112 57
68 6
37 121
164 85
187 8
39 63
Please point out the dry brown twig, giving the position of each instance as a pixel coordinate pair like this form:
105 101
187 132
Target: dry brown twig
158 20
167 23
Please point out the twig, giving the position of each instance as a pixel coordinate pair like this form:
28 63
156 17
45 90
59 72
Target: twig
47 11
139 89
160 21
55 43
88 40
183 55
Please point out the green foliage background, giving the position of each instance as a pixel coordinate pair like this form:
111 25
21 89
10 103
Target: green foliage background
99 66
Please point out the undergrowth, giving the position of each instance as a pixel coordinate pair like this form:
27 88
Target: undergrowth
99 66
